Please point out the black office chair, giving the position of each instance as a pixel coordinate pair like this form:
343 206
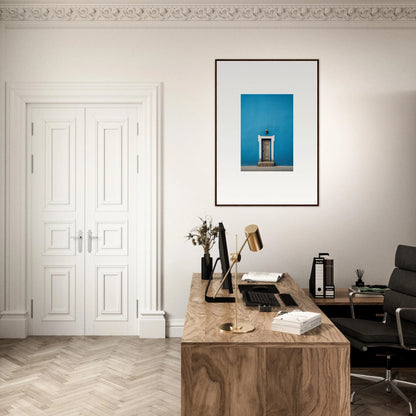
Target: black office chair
398 329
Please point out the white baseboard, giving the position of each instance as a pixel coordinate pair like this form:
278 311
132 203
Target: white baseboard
152 324
13 325
175 328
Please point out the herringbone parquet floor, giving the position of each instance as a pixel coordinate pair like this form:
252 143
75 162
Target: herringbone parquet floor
97 376
119 376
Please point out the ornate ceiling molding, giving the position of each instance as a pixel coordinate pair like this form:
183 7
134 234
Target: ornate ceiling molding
205 13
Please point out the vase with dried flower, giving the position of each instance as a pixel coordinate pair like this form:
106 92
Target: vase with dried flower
204 235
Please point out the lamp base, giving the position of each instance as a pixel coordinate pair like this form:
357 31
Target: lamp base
240 329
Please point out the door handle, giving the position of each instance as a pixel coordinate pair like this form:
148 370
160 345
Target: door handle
79 238
90 237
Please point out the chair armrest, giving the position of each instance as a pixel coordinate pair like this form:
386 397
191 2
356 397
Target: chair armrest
400 329
352 294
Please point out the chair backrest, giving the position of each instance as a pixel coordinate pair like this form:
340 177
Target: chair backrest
402 284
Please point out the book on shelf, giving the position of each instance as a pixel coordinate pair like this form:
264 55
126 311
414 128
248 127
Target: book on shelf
368 290
296 322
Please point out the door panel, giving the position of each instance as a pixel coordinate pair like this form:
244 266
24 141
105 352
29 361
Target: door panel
111 219
58 239
85 182
59 293
112 299
55 217
112 239
266 150
112 163
59 166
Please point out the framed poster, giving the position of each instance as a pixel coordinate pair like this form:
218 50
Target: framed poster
266 132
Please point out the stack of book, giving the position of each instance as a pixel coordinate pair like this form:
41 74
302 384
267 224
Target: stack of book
296 322
369 289
262 277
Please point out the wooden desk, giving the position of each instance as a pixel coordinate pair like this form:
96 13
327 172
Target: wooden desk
262 373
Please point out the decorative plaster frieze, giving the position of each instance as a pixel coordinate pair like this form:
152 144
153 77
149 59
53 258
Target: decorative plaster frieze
214 13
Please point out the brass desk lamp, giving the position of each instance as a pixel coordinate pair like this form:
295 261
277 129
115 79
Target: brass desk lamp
253 239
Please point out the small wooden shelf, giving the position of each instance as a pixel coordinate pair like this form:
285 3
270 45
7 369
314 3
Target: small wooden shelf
342 299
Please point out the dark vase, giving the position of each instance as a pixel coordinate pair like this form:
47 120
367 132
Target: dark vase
359 283
206 267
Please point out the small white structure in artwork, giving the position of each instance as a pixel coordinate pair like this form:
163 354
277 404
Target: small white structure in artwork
266 150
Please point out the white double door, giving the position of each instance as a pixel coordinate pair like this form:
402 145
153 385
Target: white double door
83 219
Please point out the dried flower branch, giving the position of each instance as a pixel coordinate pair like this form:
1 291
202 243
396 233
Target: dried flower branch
204 235
359 273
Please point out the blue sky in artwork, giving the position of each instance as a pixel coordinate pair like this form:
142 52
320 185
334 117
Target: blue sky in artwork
273 112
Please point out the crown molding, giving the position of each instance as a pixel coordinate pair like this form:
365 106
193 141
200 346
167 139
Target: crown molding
206 13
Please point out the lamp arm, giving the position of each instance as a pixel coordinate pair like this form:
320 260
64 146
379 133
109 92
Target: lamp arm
230 268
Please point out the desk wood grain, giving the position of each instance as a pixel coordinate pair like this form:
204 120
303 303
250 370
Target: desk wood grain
264 372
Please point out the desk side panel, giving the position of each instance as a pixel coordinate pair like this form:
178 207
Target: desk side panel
240 380
186 379
218 381
308 381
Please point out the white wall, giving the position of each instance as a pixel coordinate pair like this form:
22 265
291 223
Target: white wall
367 135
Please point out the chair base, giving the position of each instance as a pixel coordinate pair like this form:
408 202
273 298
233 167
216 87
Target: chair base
391 384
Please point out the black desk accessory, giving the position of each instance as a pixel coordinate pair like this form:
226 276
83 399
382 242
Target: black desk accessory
225 263
265 308
287 299
252 298
225 267
266 288
216 299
